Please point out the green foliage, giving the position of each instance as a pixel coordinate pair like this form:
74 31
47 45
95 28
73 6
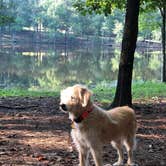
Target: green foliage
26 14
106 6
149 22
152 5
98 6
60 17
5 14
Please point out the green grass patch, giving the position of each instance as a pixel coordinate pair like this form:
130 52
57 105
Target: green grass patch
27 93
101 93
145 90
148 90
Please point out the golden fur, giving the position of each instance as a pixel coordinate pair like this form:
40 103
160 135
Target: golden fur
117 126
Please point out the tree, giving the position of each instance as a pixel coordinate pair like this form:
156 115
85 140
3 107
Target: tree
163 13
153 5
123 94
149 23
24 14
5 15
123 90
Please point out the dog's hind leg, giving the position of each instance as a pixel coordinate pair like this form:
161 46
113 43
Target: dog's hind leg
118 146
129 144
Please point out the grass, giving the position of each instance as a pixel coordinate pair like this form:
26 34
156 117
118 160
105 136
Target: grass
148 90
26 93
101 93
145 90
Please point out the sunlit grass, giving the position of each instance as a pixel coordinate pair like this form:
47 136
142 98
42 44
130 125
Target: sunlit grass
101 93
27 93
146 90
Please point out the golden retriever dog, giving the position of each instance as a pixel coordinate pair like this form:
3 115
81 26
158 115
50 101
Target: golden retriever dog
93 126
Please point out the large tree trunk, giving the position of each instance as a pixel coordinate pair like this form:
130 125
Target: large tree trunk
164 42
123 90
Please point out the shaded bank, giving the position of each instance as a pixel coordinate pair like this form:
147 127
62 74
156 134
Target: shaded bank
32 37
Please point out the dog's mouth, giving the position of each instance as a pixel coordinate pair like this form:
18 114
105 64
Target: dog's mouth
63 107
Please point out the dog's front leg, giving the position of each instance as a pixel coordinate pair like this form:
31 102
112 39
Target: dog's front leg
97 156
83 157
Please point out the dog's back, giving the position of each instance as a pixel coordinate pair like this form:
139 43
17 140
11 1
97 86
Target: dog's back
125 120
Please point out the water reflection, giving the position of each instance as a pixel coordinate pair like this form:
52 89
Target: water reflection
50 67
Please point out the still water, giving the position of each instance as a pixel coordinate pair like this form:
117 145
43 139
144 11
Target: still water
48 67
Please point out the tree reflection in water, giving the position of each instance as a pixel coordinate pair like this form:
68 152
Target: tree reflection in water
50 67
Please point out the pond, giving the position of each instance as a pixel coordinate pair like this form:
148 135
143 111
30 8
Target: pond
48 67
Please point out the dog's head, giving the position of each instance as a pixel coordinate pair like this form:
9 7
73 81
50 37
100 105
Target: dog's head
74 98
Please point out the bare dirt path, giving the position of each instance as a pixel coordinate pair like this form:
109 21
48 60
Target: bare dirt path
33 132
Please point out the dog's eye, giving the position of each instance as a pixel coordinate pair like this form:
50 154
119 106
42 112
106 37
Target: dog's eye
73 98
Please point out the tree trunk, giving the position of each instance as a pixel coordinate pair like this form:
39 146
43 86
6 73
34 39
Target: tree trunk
164 42
123 90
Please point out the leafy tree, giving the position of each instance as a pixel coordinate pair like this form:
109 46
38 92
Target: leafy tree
86 25
63 15
123 91
5 14
24 14
148 23
49 21
153 5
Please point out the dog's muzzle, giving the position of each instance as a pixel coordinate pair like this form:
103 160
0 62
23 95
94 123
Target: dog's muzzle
63 107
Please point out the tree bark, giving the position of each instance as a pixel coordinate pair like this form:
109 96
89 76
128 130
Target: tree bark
164 42
123 94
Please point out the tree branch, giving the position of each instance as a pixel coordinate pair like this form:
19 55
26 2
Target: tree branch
161 10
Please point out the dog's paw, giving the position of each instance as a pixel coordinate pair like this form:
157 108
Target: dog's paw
131 164
118 163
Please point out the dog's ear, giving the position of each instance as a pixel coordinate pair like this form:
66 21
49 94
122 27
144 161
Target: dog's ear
85 95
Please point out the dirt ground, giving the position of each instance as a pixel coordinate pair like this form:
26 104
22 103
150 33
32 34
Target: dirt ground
33 132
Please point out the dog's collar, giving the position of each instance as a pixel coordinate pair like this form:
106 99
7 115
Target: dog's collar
83 115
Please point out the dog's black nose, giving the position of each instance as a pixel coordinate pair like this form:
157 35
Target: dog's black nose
63 106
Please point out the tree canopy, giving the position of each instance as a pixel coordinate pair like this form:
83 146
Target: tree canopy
57 16
5 13
107 6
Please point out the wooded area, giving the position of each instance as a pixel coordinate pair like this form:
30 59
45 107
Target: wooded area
124 24
123 91
59 18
